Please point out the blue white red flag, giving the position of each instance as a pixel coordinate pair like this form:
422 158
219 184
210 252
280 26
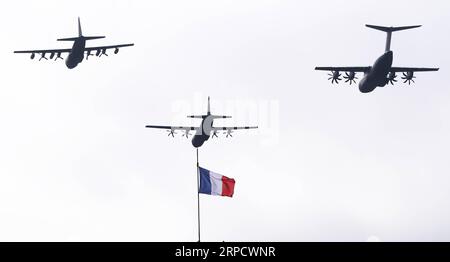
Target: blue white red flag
215 184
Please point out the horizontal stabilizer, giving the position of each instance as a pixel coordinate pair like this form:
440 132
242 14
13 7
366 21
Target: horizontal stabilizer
221 116
92 37
201 117
81 37
392 29
213 116
389 31
68 39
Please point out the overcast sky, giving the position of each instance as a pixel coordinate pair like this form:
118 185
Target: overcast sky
328 163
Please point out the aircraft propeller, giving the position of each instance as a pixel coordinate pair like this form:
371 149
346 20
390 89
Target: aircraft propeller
171 133
43 57
351 76
88 54
103 53
392 78
58 55
335 77
186 133
408 77
229 133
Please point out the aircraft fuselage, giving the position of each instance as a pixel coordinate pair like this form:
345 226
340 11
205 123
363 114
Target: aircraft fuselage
77 54
204 133
377 76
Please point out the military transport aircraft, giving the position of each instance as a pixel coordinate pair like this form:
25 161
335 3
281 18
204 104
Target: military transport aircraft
203 132
382 72
76 53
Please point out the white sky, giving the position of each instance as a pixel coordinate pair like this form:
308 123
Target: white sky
328 164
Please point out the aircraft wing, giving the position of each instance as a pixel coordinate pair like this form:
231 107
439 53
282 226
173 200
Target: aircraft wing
355 69
106 47
173 127
412 69
43 51
217 128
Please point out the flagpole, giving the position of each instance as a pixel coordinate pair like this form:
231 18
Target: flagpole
198 197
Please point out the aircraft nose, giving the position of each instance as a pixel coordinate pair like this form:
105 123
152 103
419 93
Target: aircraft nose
196 145
365 91
365 86
69 65
197 142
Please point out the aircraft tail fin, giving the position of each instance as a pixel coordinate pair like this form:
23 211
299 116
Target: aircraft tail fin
80 35
209 107
389 31
209 113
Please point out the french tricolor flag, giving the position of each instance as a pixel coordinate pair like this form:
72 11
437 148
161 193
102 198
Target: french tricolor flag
214 184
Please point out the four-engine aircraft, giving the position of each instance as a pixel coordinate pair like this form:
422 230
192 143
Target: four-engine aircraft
205 130
78 50
382 72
